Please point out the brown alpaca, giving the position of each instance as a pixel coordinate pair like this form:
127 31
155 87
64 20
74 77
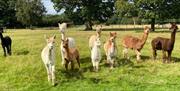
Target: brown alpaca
93 38
164 44
135 43
71 54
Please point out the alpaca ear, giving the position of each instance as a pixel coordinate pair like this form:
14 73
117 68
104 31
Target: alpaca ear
110 34
54 36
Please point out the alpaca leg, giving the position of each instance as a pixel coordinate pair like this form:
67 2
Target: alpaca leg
125 53
72 65
154 54
97 65
164 56
48 72
138 54
112 63
4 49
53 74
94 65
9 50
169 56
78 61
66 65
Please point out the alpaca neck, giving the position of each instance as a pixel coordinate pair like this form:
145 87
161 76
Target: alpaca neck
112 46
144 38
50 54
1 36
173 35
63 36
67 53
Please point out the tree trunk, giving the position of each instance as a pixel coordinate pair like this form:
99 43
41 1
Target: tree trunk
153 24
134 20
88 25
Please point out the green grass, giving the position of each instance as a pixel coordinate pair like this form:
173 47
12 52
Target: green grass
24 70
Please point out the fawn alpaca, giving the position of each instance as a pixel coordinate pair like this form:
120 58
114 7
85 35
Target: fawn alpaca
71 42
96 54
165 44
70 54
48 57
135 43
110 49
93 38
6 43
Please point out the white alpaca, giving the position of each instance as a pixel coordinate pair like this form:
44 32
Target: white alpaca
48 57
71 42
94 37
96 54
111 49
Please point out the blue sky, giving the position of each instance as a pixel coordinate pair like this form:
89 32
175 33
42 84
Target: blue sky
49 7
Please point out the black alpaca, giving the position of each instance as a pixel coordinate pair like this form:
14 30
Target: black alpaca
5 42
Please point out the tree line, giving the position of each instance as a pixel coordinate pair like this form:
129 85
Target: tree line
28 13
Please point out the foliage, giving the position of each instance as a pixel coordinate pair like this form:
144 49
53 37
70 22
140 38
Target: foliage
86 11
7 13
150 9
29 12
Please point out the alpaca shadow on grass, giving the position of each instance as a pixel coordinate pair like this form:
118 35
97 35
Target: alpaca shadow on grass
23 52
123 62
85 60
143 58
70 74
175 59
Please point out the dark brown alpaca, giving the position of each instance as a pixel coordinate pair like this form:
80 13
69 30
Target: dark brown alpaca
164 44
71 54
130 42
6 43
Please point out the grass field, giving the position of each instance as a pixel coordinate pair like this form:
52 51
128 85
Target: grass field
24 70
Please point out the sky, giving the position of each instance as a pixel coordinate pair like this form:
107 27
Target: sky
49 7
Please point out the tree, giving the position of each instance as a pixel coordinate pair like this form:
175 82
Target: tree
153 9
29 12
7 13
125 8
86 11
158 9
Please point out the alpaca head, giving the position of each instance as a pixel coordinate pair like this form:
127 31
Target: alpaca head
50 42
97 42
1 30
65 43
146 29
99 29
62 27
173 27
112 36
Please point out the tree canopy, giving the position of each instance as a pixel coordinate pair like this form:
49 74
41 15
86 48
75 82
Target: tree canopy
149 9
86 11
29 12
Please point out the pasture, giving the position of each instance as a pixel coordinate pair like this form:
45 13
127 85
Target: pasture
25 71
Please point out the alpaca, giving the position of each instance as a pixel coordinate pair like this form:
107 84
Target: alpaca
135 43
48 57
164 44
6 43
71 54
71 42
96 54
110 49
93 38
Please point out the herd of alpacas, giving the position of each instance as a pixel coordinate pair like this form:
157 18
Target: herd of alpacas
70 53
